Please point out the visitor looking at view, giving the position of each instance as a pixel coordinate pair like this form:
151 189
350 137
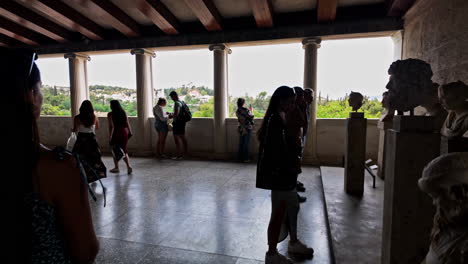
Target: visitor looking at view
245 118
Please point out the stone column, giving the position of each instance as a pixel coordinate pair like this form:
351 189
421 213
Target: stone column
220 85
382 126
78 80
355 153
408 212
144 85
311 46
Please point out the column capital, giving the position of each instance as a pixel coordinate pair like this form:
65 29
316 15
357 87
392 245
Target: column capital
143 52
311 41
220 47
77 56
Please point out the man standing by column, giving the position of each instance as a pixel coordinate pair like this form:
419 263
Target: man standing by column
178 125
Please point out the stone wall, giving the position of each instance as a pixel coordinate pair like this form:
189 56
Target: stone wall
55 131
437 31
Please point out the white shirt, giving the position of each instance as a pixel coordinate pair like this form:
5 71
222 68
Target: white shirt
83 129
159 113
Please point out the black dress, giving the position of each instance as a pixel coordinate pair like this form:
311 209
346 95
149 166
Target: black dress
275 166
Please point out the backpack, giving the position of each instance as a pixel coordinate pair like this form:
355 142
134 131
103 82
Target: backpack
185 115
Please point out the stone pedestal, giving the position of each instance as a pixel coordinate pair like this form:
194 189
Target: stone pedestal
220 53
355 153
408 212
311 45
459 144
78 80
144 85
382 126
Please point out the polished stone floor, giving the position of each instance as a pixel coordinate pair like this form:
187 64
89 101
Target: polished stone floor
197 212
355 223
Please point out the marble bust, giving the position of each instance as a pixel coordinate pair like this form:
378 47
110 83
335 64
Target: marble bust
355 100
434 107
388 113
453 97
445 179
409 84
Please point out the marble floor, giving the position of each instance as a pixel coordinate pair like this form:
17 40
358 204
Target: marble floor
197 212
355 222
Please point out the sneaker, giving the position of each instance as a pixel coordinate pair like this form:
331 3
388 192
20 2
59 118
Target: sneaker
180 158
299 248
302 199
163 156
277 259
115 170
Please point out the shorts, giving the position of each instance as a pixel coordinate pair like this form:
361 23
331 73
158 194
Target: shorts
178 128
161 126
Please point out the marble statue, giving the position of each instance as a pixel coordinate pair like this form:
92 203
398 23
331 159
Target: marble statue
355 100
453 97
409 84
434 107
388 113
445 179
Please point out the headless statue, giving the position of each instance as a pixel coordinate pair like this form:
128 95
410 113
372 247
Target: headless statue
445 179
453 97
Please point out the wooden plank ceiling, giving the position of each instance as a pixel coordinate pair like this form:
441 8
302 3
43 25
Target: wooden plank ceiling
38 23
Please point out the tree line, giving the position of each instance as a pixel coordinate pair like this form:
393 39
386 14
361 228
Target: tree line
57 102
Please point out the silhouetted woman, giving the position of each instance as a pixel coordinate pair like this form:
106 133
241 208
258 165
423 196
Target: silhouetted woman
245 119
276 172
86 146
52 221
160 124
119 133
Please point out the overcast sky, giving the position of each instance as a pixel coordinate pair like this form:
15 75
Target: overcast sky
343 66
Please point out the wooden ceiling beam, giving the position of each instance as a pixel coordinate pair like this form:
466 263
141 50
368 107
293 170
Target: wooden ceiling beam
33 21
9 42
160 15
326 10
207 13
398 7
20 33
68 17
117 18
263 13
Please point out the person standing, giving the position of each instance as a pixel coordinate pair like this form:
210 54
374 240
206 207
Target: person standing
276 172
181 116
48 217
119 133
245 118
86 145
160 124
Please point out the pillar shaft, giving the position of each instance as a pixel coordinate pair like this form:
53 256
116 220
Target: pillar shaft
311 46
220 53
78 80
144 87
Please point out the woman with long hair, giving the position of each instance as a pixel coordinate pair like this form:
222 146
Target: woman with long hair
276 171
119 133
51 221
160 124
86 145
